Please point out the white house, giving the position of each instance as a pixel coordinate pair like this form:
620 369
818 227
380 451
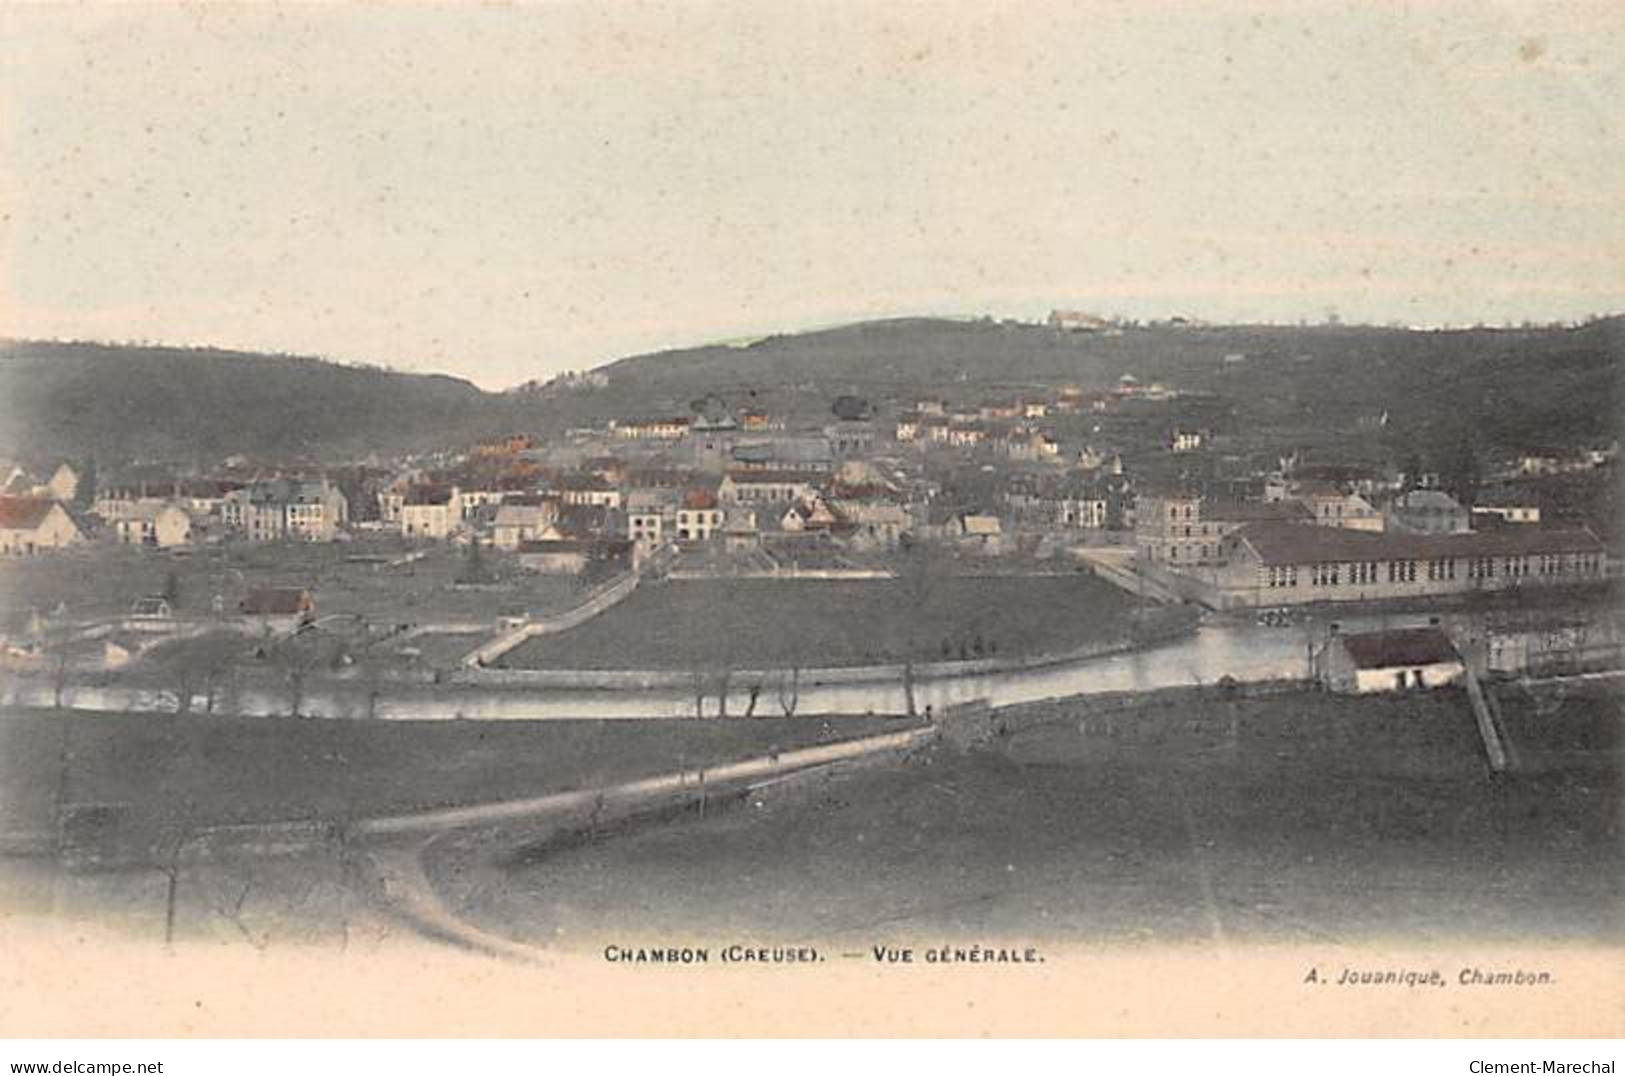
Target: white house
1507 505
588 489
699 516
431 512
1332 507
653 429
651 515
155 522
310 510
1509 513
517 523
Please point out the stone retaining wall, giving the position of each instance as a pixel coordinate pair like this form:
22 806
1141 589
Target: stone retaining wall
611 593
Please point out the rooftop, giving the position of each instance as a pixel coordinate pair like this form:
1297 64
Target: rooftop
276 601
1234 511
770 476
1403 646
1288 543
24 513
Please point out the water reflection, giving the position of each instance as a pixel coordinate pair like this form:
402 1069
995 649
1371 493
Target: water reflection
1231 646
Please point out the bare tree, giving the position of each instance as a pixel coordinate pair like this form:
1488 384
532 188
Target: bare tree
168 863
696 678
228 902
300 655
61 664
919 567
198 665
372 680
789 690
908 681
724 678
171 831
708 676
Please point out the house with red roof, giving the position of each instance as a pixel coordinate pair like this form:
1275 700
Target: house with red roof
30 525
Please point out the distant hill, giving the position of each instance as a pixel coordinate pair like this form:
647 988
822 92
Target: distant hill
134 402
1504 389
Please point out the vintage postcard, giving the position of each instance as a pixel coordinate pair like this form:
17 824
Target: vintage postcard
861 519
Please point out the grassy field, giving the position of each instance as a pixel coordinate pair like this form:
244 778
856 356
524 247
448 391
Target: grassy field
753 623
1568 726
1310 824
1411 735
101 581
221 770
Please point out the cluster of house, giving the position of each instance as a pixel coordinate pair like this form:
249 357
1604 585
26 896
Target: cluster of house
1098 498
734 482
608 509
714 473
162 511
1535 463
1014 429
1312 541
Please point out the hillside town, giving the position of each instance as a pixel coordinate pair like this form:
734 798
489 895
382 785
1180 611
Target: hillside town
1142 486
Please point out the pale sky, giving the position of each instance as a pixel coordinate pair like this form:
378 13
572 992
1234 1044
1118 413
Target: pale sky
504 192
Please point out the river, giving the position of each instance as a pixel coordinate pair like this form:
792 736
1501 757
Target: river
1231 645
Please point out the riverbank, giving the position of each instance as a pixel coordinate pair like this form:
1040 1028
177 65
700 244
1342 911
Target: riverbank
478 692
1155 626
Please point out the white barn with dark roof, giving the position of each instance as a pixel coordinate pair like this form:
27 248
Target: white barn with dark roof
1398 660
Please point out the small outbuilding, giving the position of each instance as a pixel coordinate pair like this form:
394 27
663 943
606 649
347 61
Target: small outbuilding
1405 659
153 607
278 602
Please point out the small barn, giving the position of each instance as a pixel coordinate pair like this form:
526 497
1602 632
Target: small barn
1405 659
285 606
